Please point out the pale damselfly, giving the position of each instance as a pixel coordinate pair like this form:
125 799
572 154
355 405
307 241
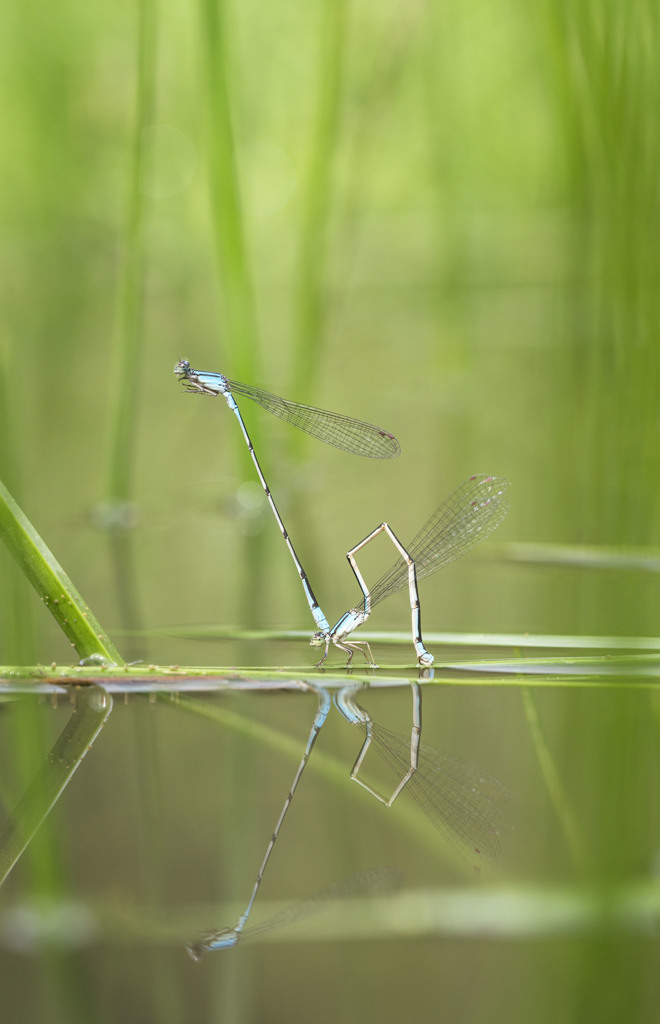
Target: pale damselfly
350 435
463 520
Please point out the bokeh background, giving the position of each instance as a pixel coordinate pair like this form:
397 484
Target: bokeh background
439 217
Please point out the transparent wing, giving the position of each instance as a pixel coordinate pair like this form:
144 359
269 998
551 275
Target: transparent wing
462 521
350 435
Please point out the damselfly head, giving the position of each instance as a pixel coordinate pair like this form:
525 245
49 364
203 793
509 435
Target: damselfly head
318 639
182 368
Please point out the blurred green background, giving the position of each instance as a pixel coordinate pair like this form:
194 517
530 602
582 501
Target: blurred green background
439 217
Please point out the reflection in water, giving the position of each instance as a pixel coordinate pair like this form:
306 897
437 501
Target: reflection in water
36 923
227 937
93 705
373 882
457 797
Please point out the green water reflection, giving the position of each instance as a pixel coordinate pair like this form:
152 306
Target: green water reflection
163 828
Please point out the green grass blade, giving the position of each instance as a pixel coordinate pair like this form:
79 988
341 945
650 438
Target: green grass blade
130 340
317 201
52 584
226 208
116 512
240 334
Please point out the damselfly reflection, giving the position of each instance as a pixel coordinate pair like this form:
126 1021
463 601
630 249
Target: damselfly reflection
372 882
459 800
232 934
463 803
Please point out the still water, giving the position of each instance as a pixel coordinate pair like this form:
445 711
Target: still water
160 833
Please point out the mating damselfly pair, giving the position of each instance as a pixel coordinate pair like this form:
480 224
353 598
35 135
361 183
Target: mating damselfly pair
461 522
456 797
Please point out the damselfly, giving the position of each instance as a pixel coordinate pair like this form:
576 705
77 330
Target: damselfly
353 436
462 521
